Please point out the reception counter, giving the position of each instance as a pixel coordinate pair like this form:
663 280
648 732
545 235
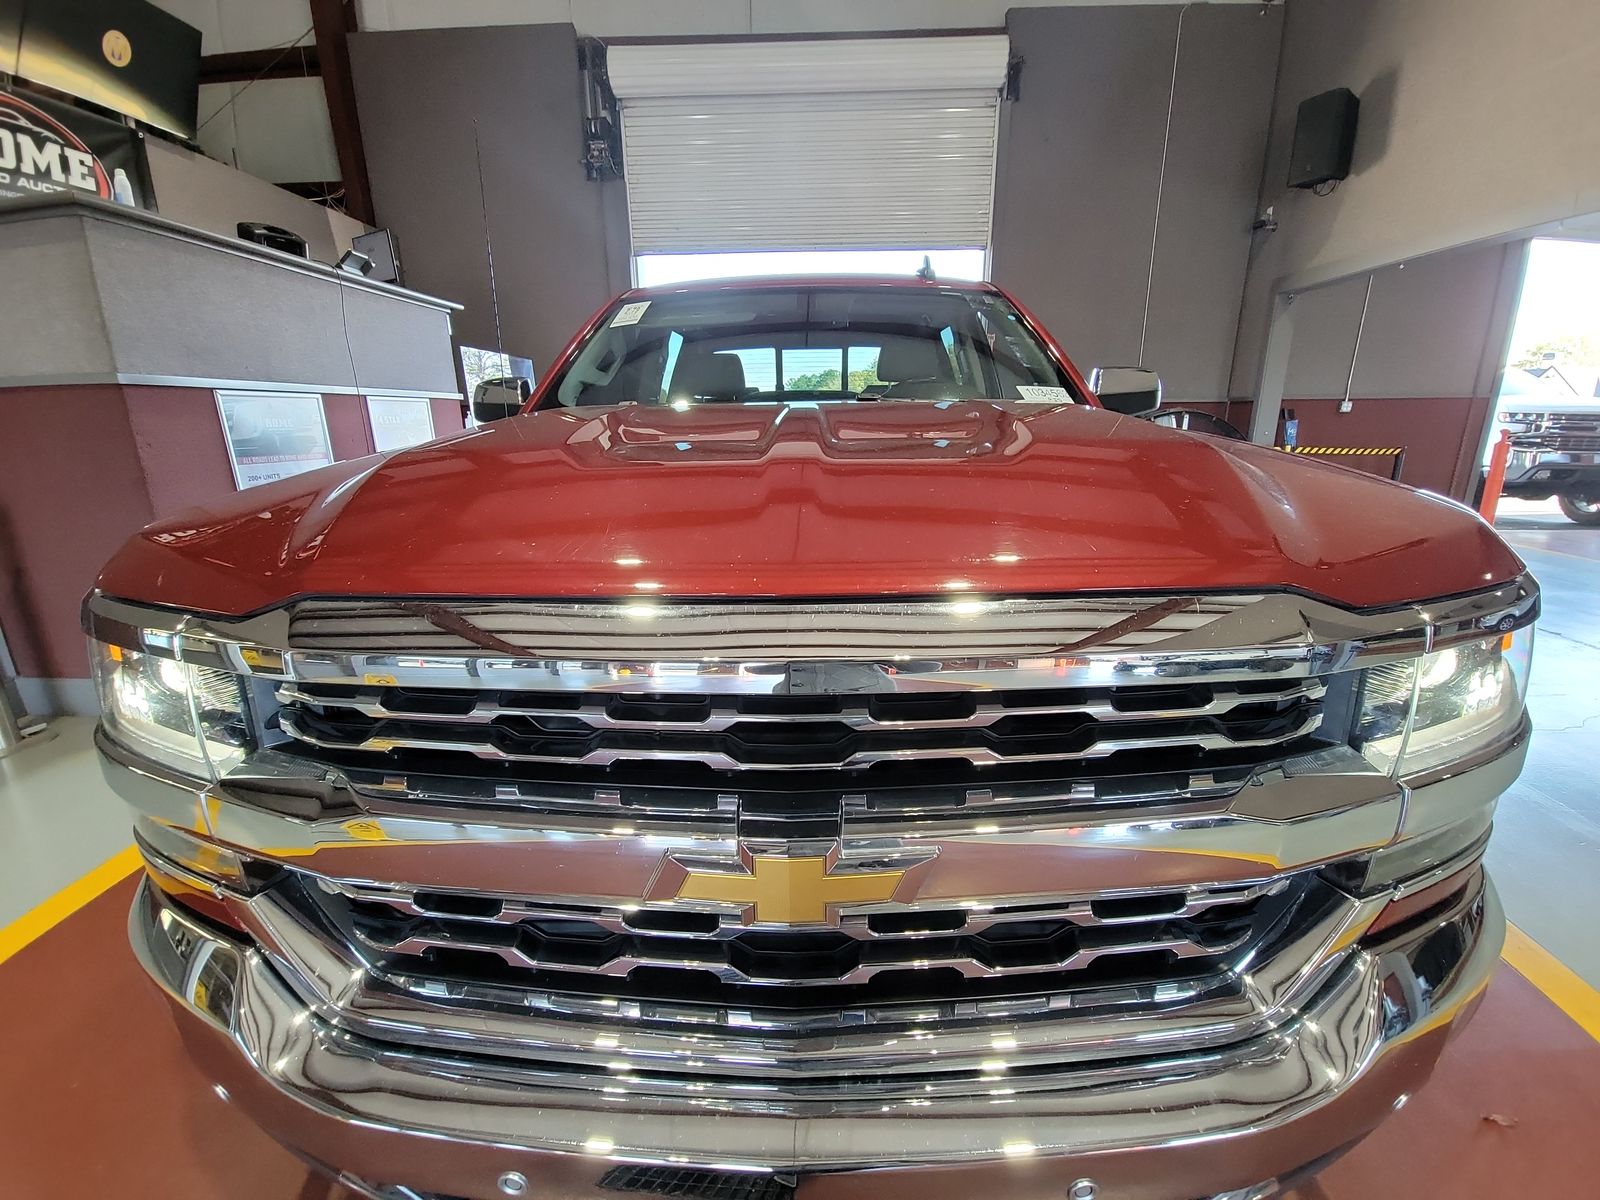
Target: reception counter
146 366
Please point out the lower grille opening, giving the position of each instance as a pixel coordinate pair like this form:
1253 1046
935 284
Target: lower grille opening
697 1185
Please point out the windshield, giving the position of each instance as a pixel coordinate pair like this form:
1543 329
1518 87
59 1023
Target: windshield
771 345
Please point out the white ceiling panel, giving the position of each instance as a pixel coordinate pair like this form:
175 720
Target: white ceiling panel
284 135
258 24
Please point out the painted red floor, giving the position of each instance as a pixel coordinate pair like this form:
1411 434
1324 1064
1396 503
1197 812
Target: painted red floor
98 1103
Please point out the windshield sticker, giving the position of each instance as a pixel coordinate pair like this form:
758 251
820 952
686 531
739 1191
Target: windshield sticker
629 314
1044 395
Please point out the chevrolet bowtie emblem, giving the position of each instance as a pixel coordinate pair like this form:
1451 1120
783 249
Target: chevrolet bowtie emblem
777 890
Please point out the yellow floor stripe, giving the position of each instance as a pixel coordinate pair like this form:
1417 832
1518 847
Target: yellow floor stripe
1571 993
68 900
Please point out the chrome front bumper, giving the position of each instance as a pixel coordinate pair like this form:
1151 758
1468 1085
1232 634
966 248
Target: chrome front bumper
1157 1127
1532 465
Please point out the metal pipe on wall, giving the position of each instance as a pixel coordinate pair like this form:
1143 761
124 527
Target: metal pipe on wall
1347 404
1161 180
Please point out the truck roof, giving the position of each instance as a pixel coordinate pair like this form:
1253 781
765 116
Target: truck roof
810 281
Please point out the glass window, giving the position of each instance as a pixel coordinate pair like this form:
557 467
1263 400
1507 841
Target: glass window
774 344
813 370
862 364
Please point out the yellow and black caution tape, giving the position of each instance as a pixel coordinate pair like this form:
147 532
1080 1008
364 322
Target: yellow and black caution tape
1388 450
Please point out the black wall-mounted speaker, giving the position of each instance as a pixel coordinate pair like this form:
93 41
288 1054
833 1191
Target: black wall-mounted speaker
275 237
1324 138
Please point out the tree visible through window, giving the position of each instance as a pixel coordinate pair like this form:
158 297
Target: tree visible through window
863 374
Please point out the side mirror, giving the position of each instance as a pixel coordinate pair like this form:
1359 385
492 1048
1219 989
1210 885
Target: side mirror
1131 391
497 399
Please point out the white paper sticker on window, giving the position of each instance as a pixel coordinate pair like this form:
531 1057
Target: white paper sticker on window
1044 395
629 314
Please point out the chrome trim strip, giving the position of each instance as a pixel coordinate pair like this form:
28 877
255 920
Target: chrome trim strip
1454 865
369 702
1081 912
408 793
289 721
1275 824
255 385
967 966
790 647
1511 740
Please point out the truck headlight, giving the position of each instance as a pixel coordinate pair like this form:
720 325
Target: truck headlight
1465 696
185 717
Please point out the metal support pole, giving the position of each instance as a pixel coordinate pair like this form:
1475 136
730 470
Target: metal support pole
18 735
1273 373
1496 480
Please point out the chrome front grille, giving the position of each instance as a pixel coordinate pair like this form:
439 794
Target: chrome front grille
1554 442
538 838
931 952
1562 433
802 733
557 826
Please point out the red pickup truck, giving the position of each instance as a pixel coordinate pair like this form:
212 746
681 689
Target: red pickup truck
822 747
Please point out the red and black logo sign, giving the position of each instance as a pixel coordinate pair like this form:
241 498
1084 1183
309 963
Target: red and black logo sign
48 148
39 154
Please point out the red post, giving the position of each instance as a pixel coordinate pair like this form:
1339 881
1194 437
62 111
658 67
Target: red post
1497 477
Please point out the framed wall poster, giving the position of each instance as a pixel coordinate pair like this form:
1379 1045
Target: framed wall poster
398 423
273 435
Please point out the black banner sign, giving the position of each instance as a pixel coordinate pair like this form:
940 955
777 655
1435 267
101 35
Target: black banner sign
10 35
47 147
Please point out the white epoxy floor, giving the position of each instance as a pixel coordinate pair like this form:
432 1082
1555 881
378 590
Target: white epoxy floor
58 819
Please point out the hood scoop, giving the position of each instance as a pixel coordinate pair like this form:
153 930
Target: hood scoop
841 430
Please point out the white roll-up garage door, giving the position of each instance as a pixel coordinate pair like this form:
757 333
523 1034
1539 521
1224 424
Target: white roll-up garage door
858 143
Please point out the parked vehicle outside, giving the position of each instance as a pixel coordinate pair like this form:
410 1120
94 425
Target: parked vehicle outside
820 735
1555 444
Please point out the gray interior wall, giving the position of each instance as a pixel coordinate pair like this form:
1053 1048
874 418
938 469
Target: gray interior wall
48 261
1424 335
398 345
1477 120
1080 165
150 300
422 94
210 195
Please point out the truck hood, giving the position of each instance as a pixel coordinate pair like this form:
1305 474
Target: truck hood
831 500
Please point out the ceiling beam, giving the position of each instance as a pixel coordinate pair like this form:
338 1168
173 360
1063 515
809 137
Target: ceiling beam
332 21
244 66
